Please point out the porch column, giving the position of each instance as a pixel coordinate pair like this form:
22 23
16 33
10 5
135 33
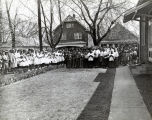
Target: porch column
143 39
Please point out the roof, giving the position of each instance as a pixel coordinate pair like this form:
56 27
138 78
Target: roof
143 7
70 18
129 41
120 34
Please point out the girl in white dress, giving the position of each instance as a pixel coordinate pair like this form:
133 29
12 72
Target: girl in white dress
41 59
17 56
47 60
23 61
36 58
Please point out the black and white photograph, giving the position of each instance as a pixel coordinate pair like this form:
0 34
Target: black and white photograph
75 59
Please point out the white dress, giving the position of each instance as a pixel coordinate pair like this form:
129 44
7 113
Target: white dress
14 61
17 56
23 62
97 53
36 59
46 59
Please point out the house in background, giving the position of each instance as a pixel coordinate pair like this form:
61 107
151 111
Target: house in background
74 33
143 13
120 35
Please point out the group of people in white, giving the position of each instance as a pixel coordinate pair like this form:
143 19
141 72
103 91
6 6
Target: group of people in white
28 58
106 57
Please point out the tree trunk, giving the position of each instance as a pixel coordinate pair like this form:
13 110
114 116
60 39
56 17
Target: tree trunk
10 26
39 25
94 37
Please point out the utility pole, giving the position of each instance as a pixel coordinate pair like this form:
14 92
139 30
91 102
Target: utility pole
1 28
39 24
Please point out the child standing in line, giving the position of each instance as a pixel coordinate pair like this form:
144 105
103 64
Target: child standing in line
5 62
111 60
0 62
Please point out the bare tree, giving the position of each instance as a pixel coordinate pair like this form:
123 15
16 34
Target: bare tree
26 29
47 27
104 12
51 38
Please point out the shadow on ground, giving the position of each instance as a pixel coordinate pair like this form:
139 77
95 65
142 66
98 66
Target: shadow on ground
98 107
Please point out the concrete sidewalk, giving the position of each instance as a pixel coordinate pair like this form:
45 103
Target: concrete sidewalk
127 103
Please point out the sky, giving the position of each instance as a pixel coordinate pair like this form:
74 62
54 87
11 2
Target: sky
27 9
23 11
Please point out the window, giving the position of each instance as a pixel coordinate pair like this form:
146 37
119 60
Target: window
150 54
64 37
77 36
69 25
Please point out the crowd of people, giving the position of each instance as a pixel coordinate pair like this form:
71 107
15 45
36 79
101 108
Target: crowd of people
105 56
93 57
30 59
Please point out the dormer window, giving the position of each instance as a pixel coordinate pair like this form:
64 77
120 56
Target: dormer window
69 25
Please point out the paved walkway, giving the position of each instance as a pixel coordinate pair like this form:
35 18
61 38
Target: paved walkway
127 103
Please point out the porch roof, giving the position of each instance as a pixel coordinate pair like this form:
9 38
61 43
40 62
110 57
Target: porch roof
144 9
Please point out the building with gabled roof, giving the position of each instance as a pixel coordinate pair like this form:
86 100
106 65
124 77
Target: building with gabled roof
74 33
120 35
